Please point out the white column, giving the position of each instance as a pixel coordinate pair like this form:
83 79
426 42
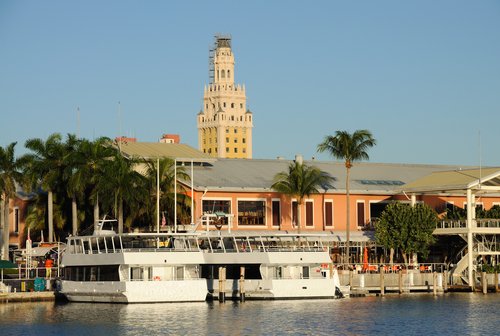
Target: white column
413 200
470 242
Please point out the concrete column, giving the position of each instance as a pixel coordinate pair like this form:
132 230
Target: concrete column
470 242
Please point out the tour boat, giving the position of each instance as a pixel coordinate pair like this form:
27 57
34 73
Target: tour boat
266 266
133 268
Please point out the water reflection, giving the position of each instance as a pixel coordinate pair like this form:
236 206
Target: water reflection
451 314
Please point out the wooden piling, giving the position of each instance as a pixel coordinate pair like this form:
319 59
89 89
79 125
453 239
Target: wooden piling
495 281
445 281
434 283
242 284
382 287
400 278
222 284
484 282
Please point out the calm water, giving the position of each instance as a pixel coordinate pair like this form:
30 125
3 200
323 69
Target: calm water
451 314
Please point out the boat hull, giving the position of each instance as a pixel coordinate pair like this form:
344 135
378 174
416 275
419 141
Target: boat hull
135 291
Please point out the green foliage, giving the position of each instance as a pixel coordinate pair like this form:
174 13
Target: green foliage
407 228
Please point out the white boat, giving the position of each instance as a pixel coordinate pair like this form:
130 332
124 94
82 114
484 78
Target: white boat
266 266
133 268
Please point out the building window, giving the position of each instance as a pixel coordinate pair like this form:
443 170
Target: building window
228 73
232 105
328 214
227 149
276 213
227 140
223 74
16 220
217 206
360 206
252 212
227 130
244 150
224 104
235 140
309 213
235 130
244 140
241 105
236 150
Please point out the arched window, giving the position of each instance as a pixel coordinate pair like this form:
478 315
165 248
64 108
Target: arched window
232 105
222 74
229 74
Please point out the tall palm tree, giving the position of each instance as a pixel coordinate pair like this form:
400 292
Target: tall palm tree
350 148
120 181
89 161
167 189
9 174
300 181
74 187
44 167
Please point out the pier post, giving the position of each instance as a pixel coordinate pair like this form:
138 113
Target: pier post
434 283
496 282
222 284
445 281
382 287
484 282
400 276
242 284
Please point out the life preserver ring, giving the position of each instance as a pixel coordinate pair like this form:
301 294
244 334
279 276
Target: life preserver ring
218 226
156 278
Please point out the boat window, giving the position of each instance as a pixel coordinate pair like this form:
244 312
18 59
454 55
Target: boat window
305 272
278 272
136 273
179 273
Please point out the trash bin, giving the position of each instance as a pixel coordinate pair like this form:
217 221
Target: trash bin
39 284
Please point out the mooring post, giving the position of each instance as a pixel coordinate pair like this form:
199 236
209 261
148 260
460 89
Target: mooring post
434 283
484 282
445 281
242 283
222 284
382 287
400 281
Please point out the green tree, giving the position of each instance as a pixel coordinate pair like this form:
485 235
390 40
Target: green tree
350 148
88 163
10 173
300 181
406 228
122 183
44 167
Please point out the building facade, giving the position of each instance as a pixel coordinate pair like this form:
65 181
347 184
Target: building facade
224 123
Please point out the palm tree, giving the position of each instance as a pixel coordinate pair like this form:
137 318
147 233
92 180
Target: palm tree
167 189
301 181
44 167
9 174
350 148
122 183
74 187
88 163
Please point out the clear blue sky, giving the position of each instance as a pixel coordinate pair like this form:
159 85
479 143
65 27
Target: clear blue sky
423 76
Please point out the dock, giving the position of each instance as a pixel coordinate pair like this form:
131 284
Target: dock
27 296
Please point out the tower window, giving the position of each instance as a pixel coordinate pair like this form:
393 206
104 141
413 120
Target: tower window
228 73
222 73
241 105
227 140
235 130
224 104
235 140
236 150
227 149
206 105
227 130
244 140
232 105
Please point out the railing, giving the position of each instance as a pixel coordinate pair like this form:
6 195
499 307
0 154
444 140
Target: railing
391 268
462 223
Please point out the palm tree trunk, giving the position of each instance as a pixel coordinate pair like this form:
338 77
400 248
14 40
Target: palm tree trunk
348 215
50 216
3 242
298 218
6 231
74 213
120 216
96 213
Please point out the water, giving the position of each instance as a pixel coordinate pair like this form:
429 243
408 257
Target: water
451 314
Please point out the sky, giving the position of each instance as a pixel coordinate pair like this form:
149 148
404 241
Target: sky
422 76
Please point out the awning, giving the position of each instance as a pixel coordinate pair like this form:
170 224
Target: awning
7 264
41 251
